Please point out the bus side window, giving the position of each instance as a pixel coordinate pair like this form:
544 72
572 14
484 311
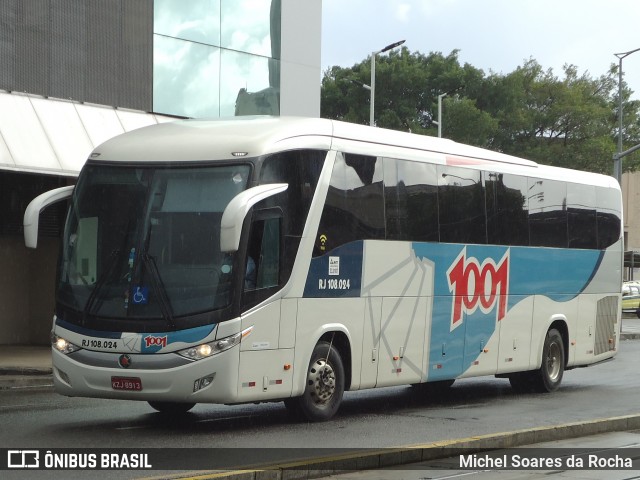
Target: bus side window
262 266
354 208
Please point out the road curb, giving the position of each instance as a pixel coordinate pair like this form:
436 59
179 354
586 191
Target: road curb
384 458
630 336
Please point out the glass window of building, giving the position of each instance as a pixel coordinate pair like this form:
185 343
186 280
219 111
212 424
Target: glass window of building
216 57
195 20
186 78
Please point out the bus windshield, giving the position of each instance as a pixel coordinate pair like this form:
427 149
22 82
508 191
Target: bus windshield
144 243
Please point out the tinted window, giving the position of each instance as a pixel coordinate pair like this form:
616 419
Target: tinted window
609 216
507 209
411 200
262 268
300 169
581 216
461 205
354 209
547 213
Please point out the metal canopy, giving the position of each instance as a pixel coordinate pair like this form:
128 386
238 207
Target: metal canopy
53 136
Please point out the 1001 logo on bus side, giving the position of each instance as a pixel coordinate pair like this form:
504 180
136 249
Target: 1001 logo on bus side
475 285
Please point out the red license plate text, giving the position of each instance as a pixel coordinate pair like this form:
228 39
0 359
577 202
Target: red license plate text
126 383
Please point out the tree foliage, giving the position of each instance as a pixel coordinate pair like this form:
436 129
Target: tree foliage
568 120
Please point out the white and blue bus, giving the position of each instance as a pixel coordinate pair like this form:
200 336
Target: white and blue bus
279 259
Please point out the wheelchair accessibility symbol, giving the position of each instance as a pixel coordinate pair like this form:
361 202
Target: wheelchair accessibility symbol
141 295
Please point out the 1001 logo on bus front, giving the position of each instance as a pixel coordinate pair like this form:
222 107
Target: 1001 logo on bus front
475 285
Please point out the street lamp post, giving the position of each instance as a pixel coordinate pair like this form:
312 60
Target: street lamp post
440 114
372 88
439 122
617 162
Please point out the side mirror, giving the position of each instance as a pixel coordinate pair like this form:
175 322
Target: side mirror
233 216
34 208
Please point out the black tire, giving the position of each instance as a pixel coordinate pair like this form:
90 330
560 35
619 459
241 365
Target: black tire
172 407
549 376
553 360
324 386
521 382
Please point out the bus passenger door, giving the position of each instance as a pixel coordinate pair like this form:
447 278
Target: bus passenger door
263 373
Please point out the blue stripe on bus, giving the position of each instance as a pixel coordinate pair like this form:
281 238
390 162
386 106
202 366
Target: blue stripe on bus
157 340
559 274
533 271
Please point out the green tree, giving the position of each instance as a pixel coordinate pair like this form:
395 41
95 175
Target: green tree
466 123
568 120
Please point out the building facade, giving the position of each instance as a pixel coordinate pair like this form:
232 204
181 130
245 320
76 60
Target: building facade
74 73
631 212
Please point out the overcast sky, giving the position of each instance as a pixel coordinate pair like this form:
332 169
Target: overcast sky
493 35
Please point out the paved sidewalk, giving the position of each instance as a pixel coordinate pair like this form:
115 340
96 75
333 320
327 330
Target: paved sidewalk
25 366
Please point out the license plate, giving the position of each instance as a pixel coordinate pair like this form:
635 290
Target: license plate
126 383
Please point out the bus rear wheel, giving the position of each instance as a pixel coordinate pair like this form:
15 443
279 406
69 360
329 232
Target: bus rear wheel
171 407
324 386
548 377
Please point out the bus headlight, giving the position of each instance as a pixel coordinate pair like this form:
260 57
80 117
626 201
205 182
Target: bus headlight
63 345
212 348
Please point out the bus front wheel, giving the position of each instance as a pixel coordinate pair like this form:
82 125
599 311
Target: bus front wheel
548 377
324 386
171 407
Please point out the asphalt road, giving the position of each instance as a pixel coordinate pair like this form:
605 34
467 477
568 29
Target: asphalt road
375 418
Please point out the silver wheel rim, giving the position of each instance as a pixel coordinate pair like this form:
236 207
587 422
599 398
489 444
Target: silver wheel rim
554 358
321 381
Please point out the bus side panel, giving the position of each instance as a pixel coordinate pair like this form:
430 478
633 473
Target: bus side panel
401 343
515 338
264 375
481 344
546 310
317 316
265 325
445 347
370 343
480 289
397 323
265 369
585 330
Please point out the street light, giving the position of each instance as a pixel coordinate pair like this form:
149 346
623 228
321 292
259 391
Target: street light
358 82
372 89
617 159
440 97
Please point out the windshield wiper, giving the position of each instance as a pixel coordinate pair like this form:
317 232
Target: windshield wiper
113 260
159 288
